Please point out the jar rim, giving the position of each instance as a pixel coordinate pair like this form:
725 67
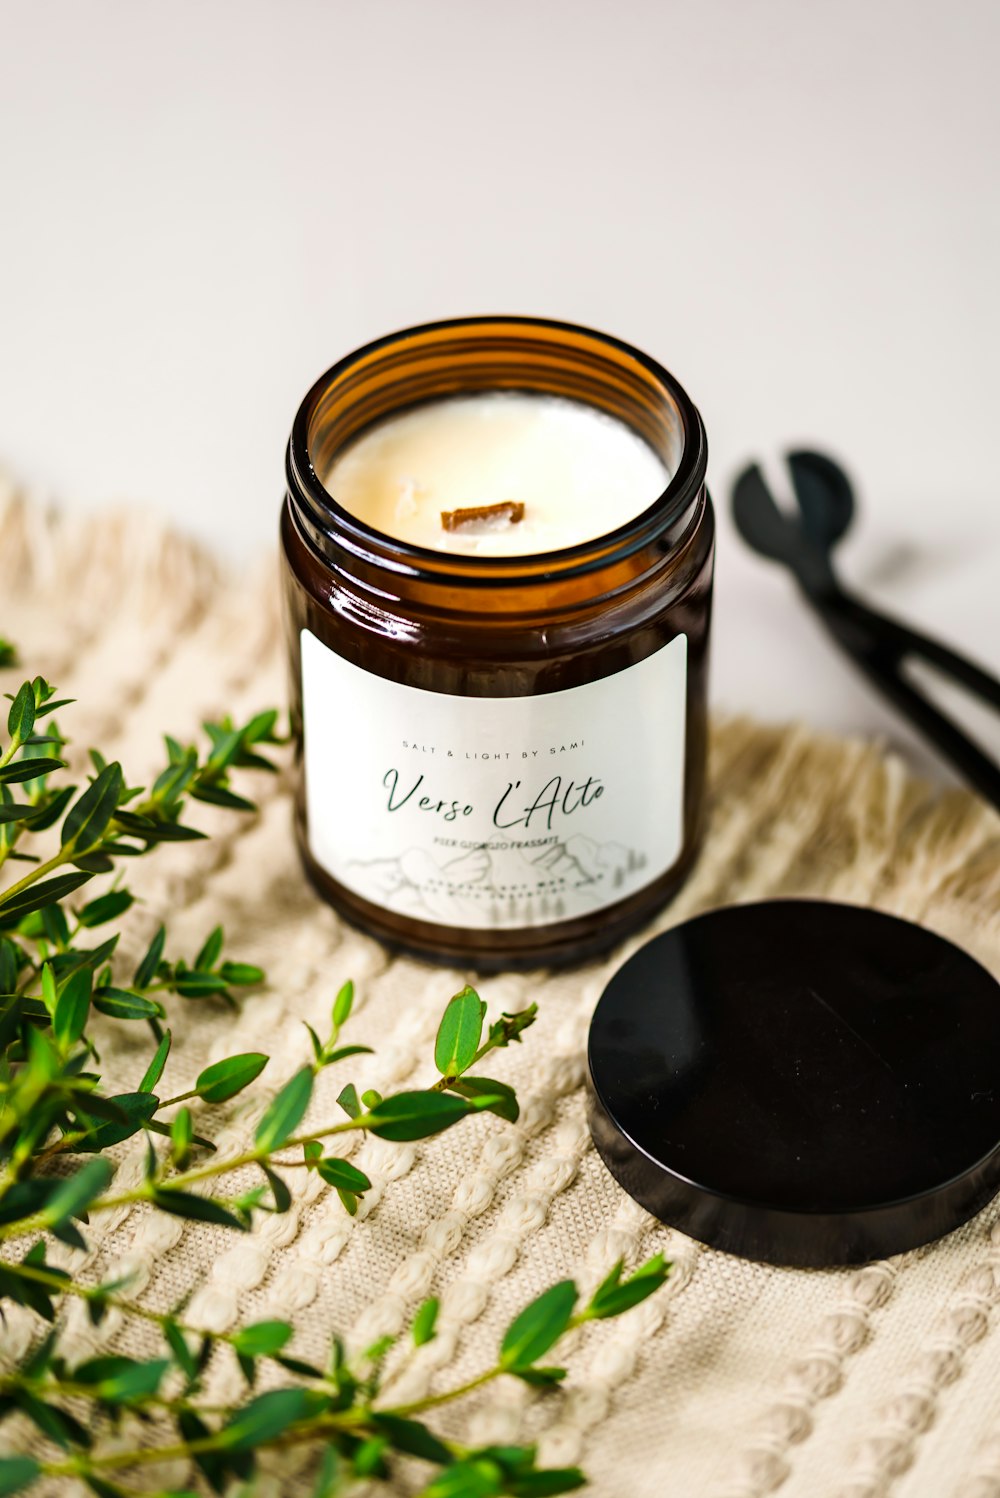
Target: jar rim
328 527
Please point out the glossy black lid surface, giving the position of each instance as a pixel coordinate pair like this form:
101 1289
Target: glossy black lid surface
801 1082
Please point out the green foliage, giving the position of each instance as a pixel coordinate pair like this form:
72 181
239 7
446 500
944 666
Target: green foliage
223 1080
459 1033
17 1473
415 1115
424 1322
286 1111
615 1295
340 1410
538 1327
59 984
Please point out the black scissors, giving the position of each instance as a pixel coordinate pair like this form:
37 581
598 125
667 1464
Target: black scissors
878 644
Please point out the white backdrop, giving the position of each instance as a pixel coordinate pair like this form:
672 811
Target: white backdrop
794 206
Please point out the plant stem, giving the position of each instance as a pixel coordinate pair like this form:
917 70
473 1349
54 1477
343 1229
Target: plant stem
181 1097
70 1388
10 751
160 1318
432 1401
315 1429
37 873
144 1193
52 1281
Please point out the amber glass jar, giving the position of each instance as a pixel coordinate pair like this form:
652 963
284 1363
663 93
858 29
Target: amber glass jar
501 759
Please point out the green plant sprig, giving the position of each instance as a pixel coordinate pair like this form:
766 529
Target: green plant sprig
53 981
340 1410
402 1117
53 985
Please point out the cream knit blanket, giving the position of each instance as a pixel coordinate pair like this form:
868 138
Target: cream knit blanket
735 1380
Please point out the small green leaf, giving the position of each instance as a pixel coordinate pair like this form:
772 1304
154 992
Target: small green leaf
416 1115
87 820
348 1100
510 1027
146 971
344 1175
547 1482
413 1439
299 1366
343 1004
266 1417
504 1100
93 863
260 729
286 1111
327 1483
211 951
21 718
50 994
119 1380
58 1424
194 983
48 892
106 908
134 1110
369 1458
477 1477
615 1295
240 974
424 1322
279 1190
181 1134
224 1079
29 767
315 1042
459 1033
72 1008
540 1378
53 919
103 1487
15 811
120 1004
215 795
73 1196
17 1473
195 1208
154 1070
342 1052
51 806
539 1326
183 1356
9 969
210 1463
53 707
262 1338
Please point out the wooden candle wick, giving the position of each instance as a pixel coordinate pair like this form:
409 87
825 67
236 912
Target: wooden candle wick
509 509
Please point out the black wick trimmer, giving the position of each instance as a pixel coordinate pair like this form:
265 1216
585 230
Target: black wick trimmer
879 645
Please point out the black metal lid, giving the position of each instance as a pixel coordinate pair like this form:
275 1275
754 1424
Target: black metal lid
800 1082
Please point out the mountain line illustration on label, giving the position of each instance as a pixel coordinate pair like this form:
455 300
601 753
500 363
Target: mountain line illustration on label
494 812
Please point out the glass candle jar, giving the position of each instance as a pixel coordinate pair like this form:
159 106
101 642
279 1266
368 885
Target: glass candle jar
501 759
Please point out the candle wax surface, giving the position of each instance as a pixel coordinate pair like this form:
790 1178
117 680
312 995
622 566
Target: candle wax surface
578 472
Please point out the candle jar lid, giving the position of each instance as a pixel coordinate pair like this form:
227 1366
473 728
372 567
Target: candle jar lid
800 1082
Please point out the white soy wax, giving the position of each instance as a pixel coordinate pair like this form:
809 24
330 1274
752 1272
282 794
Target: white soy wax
577 472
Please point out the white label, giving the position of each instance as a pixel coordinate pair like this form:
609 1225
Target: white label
493 812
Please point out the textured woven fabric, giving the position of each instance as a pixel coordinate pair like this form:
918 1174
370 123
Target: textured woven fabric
736 1379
